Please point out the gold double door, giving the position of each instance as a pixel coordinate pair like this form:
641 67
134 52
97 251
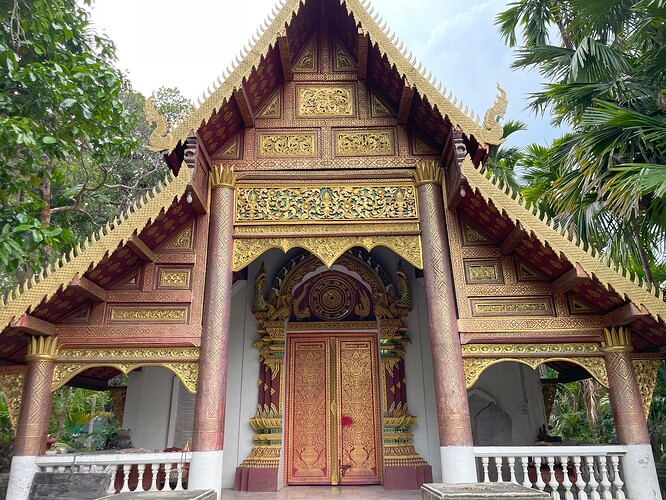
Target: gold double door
333 420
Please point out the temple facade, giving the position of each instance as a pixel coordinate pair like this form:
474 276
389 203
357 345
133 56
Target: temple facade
328 288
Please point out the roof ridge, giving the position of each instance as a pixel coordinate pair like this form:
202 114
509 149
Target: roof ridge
47 282
560 239
221 90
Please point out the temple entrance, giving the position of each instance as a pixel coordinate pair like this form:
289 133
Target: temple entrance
333 419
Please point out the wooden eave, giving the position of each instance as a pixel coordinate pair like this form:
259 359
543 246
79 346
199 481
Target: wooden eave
644 299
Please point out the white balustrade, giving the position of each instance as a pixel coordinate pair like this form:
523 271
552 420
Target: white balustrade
566 472
158 471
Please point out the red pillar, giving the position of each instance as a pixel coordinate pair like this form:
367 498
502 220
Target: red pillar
455 433
208 433
33 423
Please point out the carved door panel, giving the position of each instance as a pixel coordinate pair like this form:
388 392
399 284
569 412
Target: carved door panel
308 405
359 411
333 413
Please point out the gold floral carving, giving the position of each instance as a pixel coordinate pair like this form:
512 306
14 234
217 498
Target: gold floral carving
342 60
487 271
89 253
490 132
328 249
324 101
471 235
181 241
174 279
646 374
287 144
272 108
306 62
377 108
183 361
231 150
178 314
508 306
11 387
369 142
544 350
595 366
222 176
298 204
611 275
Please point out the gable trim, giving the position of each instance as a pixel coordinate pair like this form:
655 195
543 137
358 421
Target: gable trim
564 243
487 132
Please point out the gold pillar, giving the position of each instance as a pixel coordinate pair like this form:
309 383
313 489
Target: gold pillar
33 422
208 433
623 389
450 387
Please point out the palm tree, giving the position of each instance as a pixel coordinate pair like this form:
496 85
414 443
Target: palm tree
502 161
605 79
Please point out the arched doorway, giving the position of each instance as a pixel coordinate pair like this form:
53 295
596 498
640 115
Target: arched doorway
333 414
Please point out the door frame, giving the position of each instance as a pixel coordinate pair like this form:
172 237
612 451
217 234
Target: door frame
327 332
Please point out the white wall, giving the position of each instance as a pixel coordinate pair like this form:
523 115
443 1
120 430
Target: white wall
517 390
148 407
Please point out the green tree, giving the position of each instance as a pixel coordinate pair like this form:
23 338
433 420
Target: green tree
60 111
502 161
604 78
72 133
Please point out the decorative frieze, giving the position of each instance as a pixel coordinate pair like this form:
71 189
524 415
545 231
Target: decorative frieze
483 271
300 204
141 314
342 61
325 101
510 306
173 278
364 142
287 144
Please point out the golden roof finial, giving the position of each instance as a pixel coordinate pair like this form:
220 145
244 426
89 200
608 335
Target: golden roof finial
495 113
161 138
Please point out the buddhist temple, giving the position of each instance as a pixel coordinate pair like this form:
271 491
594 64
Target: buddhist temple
329 288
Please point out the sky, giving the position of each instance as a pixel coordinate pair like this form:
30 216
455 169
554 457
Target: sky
188 44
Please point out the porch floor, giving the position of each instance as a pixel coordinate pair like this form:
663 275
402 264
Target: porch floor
325 492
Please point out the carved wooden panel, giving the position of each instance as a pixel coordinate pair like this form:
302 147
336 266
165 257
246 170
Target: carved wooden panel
293 143
483 271
308 419
148 313
325 101
174 278
364 142
512 306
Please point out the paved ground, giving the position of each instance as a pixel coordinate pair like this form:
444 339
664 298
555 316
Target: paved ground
325 492
289 493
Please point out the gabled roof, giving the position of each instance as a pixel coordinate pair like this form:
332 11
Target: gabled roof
609 274
486 131
94 249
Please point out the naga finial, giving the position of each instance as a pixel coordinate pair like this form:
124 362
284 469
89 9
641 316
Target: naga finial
260 304
160 138
494 114
403 285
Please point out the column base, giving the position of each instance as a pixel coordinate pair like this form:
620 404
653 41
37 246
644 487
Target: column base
458 464
206 471
406 477
640 473
20 477
256 479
